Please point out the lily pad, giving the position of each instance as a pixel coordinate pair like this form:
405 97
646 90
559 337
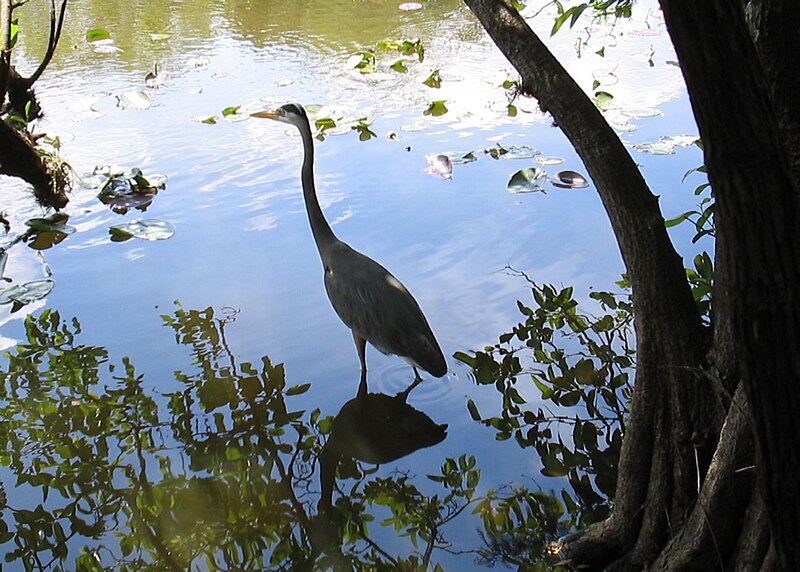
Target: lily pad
640 112
570 180
26 293
459 157
657 148
529 180
97 34
512 152
145 229
549 160
133 100
207 119
47 225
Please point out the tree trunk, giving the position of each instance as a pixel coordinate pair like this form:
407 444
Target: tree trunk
685 497
750 162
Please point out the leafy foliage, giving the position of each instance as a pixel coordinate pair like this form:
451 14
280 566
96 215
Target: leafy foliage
580 364
701 276
218 473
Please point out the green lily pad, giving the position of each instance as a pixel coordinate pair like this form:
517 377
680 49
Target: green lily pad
529 180
47 225
96 34
145 229
27 292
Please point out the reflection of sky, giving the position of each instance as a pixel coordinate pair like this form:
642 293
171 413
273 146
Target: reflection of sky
242 236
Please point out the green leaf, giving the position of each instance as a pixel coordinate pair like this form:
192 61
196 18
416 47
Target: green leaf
436 108
230 110
298 389
399 66
473 410
528 180
434 80
571 14
678 219
603 100
96 34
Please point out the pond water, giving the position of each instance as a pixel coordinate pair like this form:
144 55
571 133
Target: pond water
243 250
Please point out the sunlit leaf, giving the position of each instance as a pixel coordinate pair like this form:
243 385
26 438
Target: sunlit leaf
570 180
207 119
529 180
434 80
96 34
436 108
48 225
27 292
603 100
399 66
133 100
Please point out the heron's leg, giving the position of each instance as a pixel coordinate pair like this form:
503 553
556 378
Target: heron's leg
362 386
415 383
361 348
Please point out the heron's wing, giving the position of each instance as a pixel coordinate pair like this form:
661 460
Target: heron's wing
379 308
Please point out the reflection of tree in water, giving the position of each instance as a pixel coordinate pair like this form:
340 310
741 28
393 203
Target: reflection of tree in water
221 475
98 471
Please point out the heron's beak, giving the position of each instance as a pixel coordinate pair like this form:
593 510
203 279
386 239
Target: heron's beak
268 113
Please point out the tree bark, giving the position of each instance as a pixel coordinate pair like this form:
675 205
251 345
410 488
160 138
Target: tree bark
757 216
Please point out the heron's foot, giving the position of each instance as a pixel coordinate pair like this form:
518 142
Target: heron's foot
415 383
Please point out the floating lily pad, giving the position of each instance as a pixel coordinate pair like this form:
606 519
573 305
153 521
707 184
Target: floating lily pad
97 34
657 148
459 157
641 112
549 160
529 180
48 225
26 293
146 229
513 152
570 180
133 100
207 119
436 108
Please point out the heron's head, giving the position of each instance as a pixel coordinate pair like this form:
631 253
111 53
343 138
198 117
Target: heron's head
290 113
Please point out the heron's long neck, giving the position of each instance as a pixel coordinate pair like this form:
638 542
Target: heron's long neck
323 235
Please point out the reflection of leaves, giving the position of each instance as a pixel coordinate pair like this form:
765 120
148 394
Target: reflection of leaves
579 434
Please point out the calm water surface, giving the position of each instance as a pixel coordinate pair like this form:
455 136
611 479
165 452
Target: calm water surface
242 245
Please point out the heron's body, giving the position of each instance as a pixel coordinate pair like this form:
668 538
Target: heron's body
368 298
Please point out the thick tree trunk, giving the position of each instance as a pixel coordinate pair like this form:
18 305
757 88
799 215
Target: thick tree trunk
757 217
676 506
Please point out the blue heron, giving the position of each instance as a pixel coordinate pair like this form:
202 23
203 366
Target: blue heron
373 303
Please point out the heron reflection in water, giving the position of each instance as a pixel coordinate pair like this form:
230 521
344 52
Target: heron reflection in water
373 303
